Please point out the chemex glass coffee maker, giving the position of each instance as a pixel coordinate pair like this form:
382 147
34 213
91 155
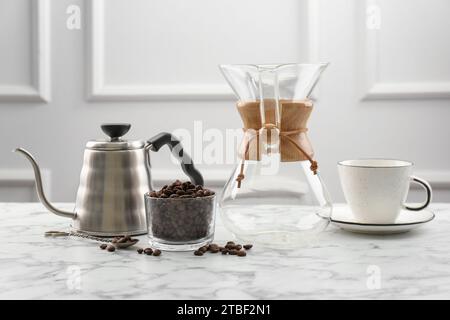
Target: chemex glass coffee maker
275 196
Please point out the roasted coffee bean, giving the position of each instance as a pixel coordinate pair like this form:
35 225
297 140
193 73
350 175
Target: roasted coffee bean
140 250
156 252
214 250
241 253
185 184
148 251
181 192
122 240
231 243
206 193
224 251
230 246
203 249
111 248
163 196
153 194
248 246
174 195
198 253
103 246
238 247
114 240
233 252
199 193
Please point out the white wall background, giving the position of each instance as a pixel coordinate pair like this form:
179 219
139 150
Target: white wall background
154 64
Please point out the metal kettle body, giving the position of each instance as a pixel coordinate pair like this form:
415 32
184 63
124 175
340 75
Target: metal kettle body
110 195
113 181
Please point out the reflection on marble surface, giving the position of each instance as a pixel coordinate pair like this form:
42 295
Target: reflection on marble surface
340 265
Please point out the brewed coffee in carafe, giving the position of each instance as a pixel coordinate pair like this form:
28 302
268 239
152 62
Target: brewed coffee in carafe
275 196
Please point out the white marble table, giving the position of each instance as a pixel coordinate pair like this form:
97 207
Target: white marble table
342 265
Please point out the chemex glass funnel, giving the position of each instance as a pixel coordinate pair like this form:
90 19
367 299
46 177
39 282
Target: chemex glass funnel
275 195
284 81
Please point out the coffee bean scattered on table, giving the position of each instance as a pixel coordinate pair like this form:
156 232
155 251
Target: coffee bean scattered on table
230 245
181 212
241 253
213 248
103 246
149 251
111 248
230 248
122 239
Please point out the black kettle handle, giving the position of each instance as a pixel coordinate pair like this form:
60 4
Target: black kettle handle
176 148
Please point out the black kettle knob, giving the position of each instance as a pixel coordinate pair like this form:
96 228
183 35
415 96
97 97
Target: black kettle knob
115 130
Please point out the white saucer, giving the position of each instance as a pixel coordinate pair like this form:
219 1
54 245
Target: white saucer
342 217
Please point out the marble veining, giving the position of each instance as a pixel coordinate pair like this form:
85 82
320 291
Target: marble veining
340 265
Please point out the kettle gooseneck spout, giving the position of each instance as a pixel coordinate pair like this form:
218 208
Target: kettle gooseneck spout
39 188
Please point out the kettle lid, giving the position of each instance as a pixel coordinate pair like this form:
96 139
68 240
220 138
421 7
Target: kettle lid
115 131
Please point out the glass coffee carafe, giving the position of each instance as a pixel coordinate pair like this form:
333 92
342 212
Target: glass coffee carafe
275 196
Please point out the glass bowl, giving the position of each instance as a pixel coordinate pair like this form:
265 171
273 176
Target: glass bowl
180 224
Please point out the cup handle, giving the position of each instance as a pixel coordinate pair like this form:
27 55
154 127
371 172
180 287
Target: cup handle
427 188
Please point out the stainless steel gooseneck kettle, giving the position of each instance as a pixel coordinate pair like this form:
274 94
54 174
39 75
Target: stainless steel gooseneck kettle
114 178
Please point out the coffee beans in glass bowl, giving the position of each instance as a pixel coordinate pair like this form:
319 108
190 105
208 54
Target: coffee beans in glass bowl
180 216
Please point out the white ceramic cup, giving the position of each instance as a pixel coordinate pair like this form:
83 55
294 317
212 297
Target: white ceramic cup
376 189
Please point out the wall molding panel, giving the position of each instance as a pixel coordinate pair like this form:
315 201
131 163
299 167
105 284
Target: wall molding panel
375 88
97 89
40 90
